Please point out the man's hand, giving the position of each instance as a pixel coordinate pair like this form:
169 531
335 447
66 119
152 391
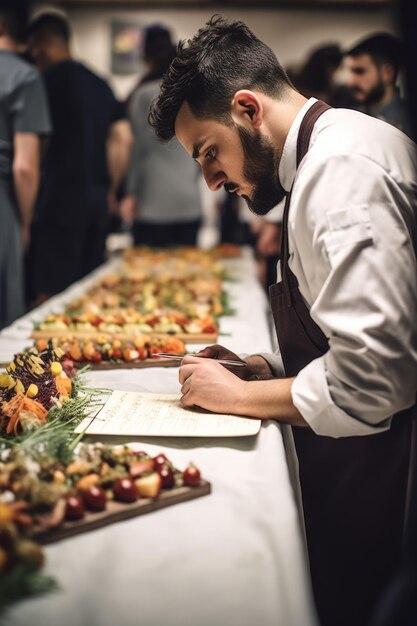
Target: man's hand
209 385
112 203
26 237
219 352
256 366
128 208
269 240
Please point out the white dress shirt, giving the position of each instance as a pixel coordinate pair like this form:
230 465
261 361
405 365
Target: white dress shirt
352 241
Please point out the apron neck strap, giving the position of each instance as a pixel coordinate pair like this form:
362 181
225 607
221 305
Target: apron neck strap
306 128
303 141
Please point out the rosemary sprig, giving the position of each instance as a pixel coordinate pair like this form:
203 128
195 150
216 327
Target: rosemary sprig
20 583
227 309
56 438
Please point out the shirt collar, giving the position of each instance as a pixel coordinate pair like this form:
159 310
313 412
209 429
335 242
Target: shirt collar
288 162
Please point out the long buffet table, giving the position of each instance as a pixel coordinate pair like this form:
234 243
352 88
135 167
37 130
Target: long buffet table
235 557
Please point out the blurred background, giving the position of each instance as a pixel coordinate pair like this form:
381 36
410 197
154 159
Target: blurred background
99 181
292 28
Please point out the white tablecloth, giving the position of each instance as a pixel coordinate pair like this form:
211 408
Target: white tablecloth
235 557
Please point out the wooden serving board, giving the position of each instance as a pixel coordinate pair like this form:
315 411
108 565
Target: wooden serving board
125 365
118 511
185 337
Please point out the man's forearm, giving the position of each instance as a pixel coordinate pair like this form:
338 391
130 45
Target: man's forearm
118 151
26 185
26 174
270 399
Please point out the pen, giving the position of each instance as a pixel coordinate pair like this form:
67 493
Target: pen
166 355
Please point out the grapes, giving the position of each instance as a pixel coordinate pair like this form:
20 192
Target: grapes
167 476
74 509
159 461
125 490
94 498
191 476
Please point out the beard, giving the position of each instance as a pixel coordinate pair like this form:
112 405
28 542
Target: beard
373 96
260 169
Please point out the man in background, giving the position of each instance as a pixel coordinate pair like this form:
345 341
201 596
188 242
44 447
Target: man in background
24 119
83 165
373 65
163 185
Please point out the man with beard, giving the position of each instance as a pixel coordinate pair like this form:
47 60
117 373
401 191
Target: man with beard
373 67
344 309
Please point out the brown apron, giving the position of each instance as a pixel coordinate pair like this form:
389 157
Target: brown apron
353 488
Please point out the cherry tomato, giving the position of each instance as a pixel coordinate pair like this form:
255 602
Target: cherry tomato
191 476
160 460
74 508
94 498
167 476
125 490
209 329
142 353
97 357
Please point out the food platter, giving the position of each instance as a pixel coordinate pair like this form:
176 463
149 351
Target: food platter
186 337
133 365
118 511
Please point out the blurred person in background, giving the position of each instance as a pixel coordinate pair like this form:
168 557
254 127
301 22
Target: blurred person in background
316 78
373 68
24 119
399 602
83 165
163 197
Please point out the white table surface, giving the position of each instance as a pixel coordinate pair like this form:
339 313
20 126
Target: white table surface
235 557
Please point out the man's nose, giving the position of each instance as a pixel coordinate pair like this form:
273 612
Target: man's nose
351 80
215 180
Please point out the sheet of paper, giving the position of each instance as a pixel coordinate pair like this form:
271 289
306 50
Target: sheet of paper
148 414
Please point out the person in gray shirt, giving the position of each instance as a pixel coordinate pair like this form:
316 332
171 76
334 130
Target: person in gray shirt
163 195
373 67
24 118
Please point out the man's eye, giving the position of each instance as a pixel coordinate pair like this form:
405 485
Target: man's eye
210 154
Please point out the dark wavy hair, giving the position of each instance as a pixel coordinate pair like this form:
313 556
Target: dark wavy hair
208 69
14 16
50 23
382 48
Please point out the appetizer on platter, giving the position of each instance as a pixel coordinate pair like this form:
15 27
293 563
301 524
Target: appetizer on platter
31 385
127 323
106 350
45 497
48 492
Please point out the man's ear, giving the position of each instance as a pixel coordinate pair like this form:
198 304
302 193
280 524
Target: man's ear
388 73
247 109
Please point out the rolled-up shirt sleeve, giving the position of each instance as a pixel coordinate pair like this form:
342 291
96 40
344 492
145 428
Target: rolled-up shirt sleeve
356 268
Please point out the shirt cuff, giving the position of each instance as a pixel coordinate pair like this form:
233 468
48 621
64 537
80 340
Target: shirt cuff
311 396
275 363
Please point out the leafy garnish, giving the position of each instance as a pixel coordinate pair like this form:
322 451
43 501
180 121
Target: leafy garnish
23 582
